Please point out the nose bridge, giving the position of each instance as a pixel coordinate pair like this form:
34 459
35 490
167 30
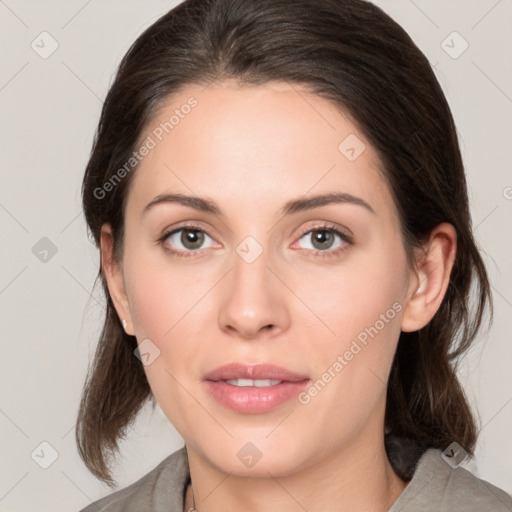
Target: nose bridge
252 300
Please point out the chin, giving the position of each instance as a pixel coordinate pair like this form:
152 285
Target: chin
253 459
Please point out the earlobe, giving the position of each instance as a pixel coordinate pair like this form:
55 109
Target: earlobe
115 280
431 278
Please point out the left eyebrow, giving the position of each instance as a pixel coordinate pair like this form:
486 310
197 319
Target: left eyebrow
293 206
300 205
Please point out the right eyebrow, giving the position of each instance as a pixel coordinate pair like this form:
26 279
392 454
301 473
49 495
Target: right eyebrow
197 203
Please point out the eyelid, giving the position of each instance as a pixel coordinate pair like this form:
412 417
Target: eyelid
327 225
193 225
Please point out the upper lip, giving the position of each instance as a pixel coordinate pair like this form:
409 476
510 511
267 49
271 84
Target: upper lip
254 372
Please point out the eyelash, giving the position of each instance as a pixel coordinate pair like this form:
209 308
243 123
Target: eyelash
311 252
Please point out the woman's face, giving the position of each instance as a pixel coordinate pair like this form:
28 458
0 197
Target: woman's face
257 282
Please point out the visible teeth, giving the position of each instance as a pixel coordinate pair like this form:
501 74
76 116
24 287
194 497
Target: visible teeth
258 383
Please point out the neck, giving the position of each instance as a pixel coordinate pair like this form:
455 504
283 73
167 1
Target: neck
357 478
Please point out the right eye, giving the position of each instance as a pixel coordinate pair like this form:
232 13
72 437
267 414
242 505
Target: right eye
191 239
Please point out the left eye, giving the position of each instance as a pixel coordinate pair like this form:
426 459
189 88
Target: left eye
324 238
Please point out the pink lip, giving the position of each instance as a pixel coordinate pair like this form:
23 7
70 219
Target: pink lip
249 399
255 371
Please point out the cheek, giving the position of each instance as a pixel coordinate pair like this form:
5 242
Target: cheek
160 294
152 303
351 369
168 308
162 311
362 306
354 297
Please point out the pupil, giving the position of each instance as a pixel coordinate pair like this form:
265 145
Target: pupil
321 236
192 238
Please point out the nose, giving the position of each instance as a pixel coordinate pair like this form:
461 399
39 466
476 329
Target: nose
253 299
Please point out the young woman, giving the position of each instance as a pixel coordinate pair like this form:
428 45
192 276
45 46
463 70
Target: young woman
278 195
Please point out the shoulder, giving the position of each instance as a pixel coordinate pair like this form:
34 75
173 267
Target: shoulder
437 486
160 489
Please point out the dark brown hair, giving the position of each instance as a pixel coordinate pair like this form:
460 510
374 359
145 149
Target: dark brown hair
353 54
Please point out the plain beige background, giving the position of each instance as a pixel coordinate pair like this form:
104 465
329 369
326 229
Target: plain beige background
51 317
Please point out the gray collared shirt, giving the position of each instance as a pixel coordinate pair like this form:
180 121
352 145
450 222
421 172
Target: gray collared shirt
434 487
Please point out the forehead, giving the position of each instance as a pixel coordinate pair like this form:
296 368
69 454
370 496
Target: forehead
252 146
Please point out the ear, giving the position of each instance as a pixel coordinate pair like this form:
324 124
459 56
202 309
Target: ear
115 280
431 278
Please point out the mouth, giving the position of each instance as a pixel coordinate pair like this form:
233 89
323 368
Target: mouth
253 389
257 383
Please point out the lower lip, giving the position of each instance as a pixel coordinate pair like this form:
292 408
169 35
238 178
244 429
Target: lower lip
253 400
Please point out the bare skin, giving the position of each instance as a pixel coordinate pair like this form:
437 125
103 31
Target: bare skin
251 150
